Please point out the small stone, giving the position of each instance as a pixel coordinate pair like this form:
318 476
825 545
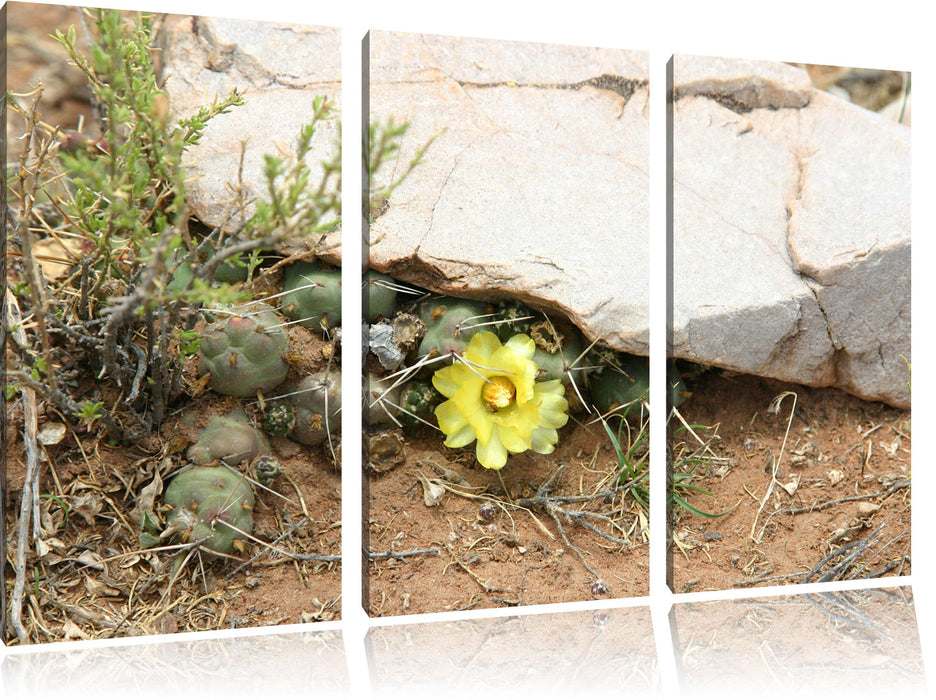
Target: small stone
51 434
599 588
486 512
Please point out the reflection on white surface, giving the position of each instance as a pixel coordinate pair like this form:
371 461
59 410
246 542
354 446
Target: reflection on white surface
860 643
305 664
568 654
840 644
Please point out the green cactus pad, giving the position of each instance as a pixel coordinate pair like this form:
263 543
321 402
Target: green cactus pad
204 500
624 383
311 398
379 296
378 388
244 353
449 324
230 438
313 295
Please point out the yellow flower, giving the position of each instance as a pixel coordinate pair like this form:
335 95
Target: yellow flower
494 398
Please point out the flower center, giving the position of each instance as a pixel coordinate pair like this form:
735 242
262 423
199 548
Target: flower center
498 393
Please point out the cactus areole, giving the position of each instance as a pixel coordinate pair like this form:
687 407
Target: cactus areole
212 506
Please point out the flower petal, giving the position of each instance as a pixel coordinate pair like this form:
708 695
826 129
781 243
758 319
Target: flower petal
492 455
522 344
481 347
471 406
448 379
451 420
460 438
513 440
544 440
552 411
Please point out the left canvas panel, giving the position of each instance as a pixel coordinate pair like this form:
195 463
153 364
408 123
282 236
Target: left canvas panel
172 322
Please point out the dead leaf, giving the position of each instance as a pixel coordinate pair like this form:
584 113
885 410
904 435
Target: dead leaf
42 549
99 588
73 631
891 448
146 501
56 256
834 476
88 505
89 558
791 486
433 493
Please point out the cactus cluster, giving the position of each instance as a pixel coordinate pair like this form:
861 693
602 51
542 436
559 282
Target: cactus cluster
212 506
602 380
243 352
246 351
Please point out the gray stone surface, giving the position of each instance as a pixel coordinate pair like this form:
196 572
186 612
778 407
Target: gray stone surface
791 231
282 67
538 187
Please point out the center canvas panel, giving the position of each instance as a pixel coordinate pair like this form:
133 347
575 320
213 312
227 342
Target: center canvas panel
506 304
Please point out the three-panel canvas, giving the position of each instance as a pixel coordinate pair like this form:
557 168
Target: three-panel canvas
176 452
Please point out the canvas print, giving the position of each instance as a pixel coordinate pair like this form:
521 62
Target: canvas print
172 314
506 305
789 324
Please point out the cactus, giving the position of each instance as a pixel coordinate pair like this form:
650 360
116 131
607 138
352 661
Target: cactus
242 356
555 365
312 295
378 401
625 380
317 401
279 417
514 315
230 438
379 296
419 399
449 324
403 404
677 391
203 500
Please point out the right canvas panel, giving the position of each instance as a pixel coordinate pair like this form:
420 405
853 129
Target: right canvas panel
788 323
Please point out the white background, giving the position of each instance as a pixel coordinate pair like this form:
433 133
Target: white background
894 35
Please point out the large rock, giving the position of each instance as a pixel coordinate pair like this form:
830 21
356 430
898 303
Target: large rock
283 68
537 185
791 230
